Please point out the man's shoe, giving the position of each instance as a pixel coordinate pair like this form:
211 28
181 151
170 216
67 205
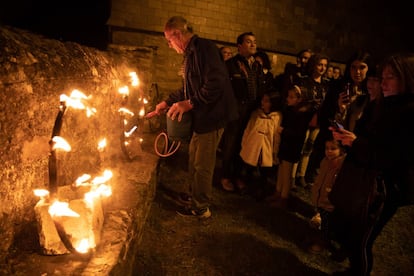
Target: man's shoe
184 199
227 185
190 212
301 182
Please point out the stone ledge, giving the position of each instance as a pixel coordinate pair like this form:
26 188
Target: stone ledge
125 214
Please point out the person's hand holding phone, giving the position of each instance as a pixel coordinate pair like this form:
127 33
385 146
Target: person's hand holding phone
346 137
343 100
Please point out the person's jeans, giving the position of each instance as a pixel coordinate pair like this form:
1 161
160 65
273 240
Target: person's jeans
202 161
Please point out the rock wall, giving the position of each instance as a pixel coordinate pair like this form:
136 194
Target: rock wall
34 72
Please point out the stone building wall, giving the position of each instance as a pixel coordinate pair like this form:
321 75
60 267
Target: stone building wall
282 28
34 72
336 28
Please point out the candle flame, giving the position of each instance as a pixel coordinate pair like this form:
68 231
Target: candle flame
90 111
82 180
41 192
78 100
134 78
125 111
102 145
83 246
60 143
142 112
62 209
97 191
124 90
102 179
129 133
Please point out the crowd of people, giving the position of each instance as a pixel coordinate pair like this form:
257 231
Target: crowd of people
345 137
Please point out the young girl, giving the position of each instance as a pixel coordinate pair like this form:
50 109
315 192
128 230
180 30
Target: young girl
260 141
330 166
296 116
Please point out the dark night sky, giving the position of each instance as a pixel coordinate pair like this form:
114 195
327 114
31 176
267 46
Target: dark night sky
83 21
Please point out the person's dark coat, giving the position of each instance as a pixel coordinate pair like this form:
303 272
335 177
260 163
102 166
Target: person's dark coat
208 87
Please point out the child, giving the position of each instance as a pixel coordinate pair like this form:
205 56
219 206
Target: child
296 116
330 166
260 141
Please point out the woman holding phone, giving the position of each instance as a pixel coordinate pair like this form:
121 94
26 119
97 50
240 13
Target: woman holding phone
379 177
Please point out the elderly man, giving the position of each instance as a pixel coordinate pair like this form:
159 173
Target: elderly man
207 94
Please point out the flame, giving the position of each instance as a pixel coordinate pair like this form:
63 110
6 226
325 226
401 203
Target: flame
125 111
142 112
145 101
90 111
102 145
134 78
96 192
99 188
82 180
83 246
59 208
124 90
102 179
129 133
41 192
60 143
78 100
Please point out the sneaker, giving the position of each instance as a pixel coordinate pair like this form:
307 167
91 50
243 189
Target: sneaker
315 221
190 212
227 185
316 248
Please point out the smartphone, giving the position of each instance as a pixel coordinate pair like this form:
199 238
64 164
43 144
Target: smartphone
337 126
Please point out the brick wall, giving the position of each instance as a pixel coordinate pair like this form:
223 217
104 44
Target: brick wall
283 26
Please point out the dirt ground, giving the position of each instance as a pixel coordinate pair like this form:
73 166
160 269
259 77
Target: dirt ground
247 237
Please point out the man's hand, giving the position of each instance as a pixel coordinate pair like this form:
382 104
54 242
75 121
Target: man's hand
159 109
178 109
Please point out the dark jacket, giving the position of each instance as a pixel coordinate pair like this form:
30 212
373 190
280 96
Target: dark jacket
208 87
295 121
383 149
245 92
